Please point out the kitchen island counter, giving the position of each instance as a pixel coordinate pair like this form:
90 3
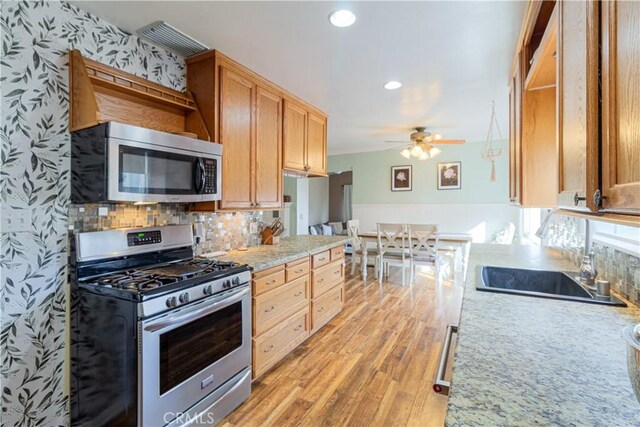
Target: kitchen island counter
289 249
522 361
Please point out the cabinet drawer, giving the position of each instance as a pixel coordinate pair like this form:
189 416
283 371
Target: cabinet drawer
262 284
337 253
297 269
326 307
326 278
272 307
320 259
276 343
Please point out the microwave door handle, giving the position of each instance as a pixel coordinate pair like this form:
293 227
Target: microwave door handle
200 177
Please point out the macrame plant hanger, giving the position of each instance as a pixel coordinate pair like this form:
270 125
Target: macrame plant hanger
489 153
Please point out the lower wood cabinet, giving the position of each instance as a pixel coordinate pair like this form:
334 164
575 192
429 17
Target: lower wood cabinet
277 342
291 301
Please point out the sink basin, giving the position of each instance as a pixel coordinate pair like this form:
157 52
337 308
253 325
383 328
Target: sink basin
539 283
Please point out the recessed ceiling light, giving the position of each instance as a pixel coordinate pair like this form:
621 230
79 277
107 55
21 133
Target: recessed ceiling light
342 18
392 85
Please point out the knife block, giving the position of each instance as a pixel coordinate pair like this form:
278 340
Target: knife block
268 238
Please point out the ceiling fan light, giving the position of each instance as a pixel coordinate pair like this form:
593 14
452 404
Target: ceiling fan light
406 153
424 156
434 151
416 150
437 136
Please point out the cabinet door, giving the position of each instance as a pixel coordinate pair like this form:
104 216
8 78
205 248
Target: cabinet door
294 136
515 129
621 105
578 103
268 150
236 131
317 144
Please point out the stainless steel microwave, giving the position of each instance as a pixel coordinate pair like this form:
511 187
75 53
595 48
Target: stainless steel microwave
114 162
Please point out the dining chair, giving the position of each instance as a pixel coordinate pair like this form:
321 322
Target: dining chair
423 246
392 248
359 254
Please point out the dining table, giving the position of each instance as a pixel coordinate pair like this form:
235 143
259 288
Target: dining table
446 241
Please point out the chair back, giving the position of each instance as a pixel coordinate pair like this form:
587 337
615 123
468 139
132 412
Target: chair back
423 240
391 237
353 231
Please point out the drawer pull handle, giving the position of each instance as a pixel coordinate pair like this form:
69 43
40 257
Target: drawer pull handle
267 310
321 309
297 294
337 298
268 349
321 259
337 272
298 328
299 271
271 282
320 280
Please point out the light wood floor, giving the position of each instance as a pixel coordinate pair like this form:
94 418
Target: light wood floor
372 365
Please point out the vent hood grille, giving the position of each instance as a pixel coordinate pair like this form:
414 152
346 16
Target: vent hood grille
163 34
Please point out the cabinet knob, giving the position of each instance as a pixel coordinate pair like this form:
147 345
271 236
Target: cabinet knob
598 198
577 199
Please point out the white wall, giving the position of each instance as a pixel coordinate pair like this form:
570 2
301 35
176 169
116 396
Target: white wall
318 200
302 206
481 220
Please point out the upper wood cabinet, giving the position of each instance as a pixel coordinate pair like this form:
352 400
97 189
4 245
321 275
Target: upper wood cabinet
305 140
596 109
620 106
316 144
515 129
247 114
268 150
532 146
236 133
578 129
295 136
251 128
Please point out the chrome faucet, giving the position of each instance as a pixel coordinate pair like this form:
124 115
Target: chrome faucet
542 231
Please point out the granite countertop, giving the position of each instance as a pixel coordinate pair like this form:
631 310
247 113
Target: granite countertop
289 249
522 361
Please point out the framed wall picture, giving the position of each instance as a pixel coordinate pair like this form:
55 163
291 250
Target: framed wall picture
450 176
401 178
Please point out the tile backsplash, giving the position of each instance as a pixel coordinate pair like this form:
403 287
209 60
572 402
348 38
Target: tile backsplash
221 231
566 234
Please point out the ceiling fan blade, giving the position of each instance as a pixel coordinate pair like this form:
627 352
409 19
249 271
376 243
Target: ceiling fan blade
399 142
448 141
398 148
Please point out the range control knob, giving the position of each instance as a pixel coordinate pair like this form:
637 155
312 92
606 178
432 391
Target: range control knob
184 298
171 302
207 290
226 284
236 281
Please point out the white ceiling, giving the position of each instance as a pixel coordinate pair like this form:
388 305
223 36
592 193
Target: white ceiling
453 58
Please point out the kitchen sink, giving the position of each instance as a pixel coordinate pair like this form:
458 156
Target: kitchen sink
539 283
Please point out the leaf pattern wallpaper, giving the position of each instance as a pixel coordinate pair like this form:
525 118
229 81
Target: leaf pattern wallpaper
34 175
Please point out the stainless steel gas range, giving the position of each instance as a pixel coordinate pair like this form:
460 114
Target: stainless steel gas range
158 337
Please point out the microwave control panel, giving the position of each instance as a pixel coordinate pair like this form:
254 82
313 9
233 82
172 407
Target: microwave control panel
144 238
210 176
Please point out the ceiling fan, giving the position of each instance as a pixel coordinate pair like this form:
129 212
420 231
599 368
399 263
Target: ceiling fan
422 144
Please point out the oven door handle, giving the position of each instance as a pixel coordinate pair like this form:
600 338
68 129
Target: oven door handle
176 320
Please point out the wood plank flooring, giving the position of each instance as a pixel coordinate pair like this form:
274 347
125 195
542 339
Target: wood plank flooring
372 365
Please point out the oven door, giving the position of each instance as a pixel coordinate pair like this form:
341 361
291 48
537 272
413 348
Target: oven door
188 353
144 172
